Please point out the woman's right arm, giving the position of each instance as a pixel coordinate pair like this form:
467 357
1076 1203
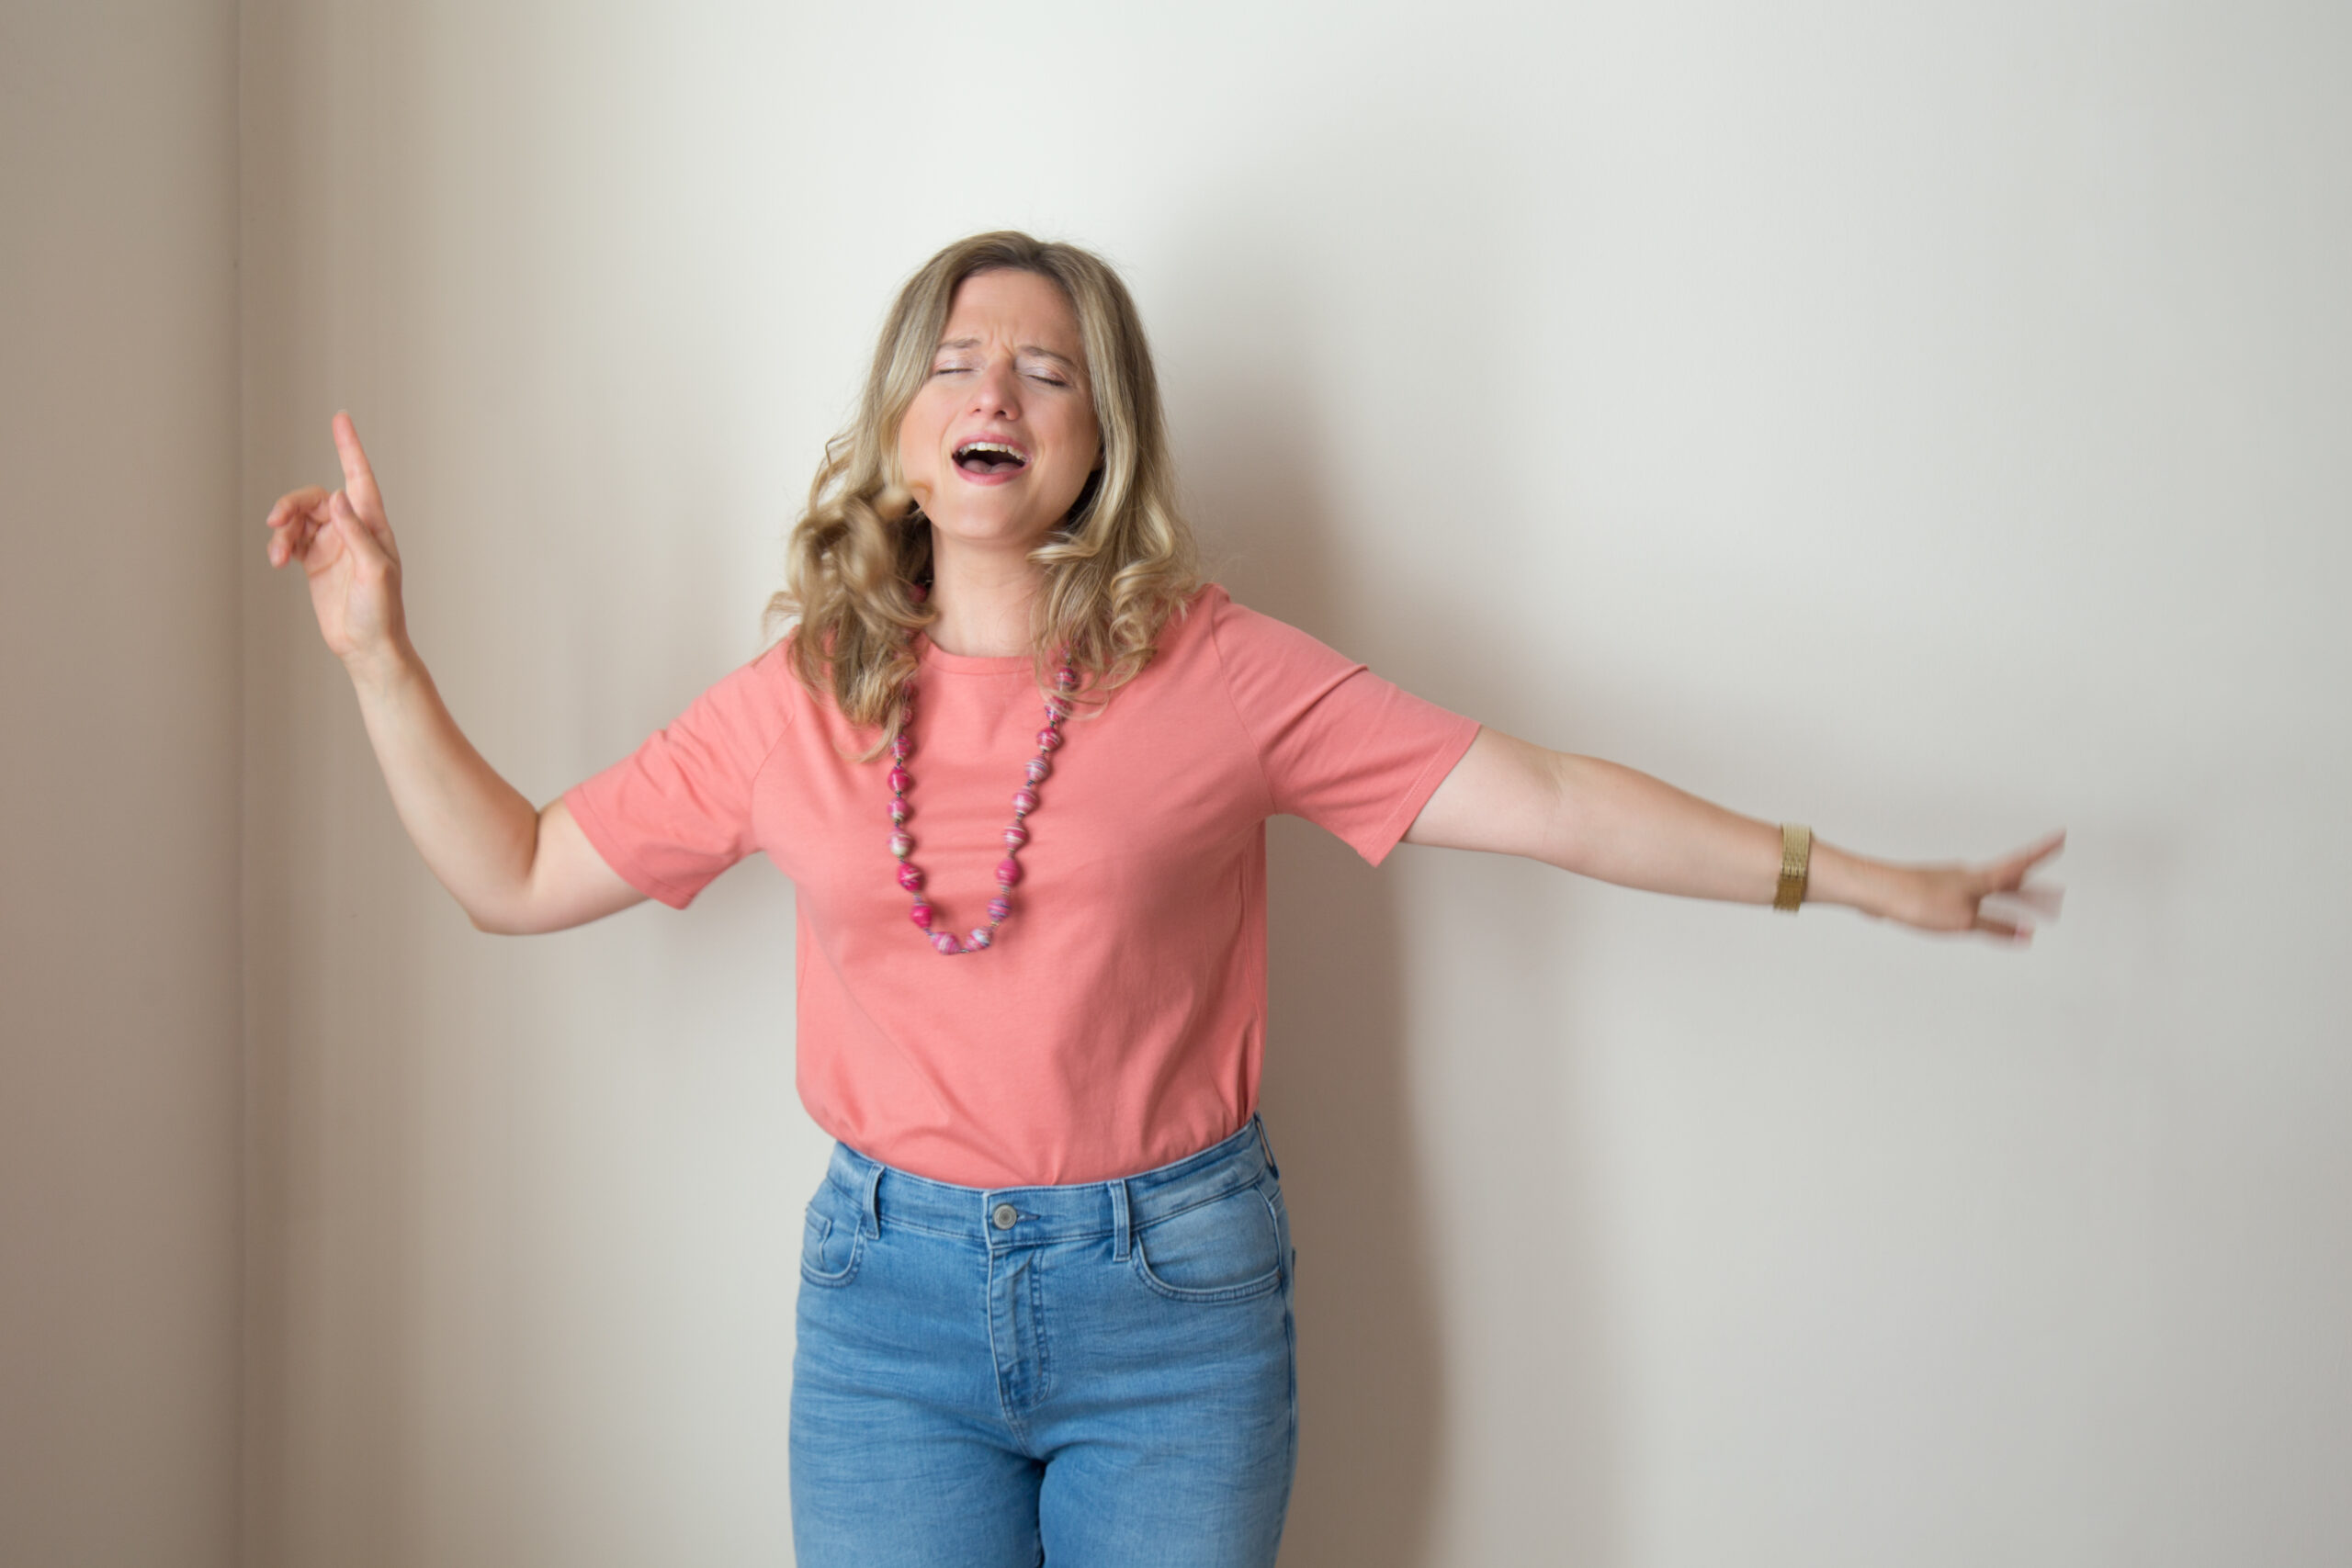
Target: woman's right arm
513 868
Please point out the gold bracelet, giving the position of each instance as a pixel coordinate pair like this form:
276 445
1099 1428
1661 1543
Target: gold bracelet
1796 866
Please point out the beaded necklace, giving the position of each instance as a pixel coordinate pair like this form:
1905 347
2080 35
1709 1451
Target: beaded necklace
1024 801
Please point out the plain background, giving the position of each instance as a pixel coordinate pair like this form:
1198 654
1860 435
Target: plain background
1926 423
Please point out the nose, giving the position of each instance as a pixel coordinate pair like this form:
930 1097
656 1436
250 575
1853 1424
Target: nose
997 389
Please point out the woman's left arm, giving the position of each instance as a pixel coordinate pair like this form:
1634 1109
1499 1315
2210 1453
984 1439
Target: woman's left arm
1606 821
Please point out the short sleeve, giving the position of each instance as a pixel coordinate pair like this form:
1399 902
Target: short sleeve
1339 746
676 812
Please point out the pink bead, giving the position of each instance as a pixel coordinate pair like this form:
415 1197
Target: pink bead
979 937
910 879
901 746
921 915
899 779
1024 801
1058 708
1048 739
1000 907
901 845
1038 769
897 811
946 942
1065 677
1008 872
1015 836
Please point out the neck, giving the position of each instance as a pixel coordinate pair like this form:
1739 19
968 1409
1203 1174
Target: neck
981 600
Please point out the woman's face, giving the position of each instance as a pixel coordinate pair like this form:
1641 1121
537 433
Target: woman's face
999 442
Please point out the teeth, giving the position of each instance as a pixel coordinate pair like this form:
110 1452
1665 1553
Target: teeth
971 447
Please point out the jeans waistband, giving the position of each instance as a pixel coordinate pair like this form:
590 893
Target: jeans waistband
1002 1217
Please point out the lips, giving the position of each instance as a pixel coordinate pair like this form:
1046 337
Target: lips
990 458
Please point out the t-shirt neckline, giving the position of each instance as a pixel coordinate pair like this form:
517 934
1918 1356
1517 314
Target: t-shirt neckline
934 656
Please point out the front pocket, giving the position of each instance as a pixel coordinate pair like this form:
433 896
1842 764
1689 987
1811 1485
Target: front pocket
1227 1250
827 1256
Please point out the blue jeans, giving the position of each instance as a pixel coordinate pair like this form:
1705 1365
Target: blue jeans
1093 1376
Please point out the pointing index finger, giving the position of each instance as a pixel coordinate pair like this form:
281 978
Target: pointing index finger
358 478
2033 855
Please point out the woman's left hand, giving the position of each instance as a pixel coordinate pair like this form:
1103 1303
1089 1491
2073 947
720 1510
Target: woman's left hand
1952 897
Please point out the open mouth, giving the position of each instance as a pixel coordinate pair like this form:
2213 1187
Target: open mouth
990 458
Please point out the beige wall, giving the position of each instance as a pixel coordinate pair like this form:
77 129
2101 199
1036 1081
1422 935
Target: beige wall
1930 427
119 1113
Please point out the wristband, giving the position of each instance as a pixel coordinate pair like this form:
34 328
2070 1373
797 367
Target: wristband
1796 866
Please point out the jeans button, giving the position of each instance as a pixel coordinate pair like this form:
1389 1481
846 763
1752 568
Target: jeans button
1004 1215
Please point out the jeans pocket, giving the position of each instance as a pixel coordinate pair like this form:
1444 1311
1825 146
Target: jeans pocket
832 1241
1227 1250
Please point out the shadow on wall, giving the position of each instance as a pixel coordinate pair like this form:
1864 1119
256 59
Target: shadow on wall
1381 1301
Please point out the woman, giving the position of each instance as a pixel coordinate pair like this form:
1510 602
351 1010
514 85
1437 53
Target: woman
1046 1281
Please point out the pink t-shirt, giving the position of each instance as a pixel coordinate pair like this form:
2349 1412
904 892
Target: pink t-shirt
1119 1020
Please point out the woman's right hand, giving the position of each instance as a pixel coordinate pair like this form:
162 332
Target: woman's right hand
346 551
513 867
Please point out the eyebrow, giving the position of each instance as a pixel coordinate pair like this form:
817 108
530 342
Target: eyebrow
1039 350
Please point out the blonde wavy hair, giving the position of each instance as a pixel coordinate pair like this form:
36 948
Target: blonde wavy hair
1117 569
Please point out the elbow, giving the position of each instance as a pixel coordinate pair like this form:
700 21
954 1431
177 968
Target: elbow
499 923
505 906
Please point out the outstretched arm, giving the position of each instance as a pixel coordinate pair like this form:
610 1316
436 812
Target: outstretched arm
514 867
1606 821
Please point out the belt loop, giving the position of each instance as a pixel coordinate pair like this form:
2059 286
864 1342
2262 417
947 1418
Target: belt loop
1119 1224
870 1221
1271 1169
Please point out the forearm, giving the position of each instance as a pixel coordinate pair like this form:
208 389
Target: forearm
1617 825
478 833
1603 820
